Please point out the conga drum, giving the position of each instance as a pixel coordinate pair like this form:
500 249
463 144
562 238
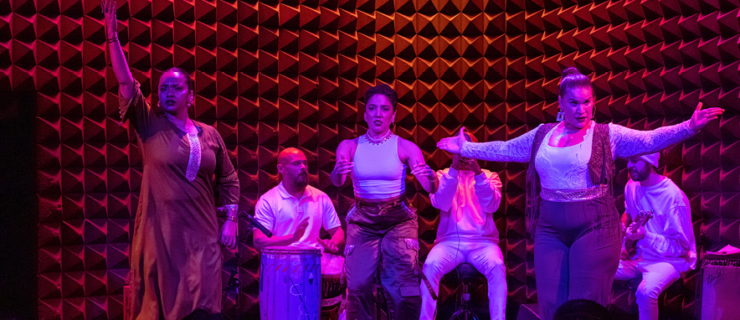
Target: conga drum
332 285
290 284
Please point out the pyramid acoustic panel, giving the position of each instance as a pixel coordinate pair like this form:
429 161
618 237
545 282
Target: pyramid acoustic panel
272 74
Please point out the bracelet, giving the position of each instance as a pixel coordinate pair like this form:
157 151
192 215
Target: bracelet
232 218
111 40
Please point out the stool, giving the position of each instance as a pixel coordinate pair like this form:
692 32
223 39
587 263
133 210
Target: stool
466 273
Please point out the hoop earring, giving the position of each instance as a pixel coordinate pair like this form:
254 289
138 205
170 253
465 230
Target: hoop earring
561 116
393 123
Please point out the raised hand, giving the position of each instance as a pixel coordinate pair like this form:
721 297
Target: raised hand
300 230
453 144
328 244
109 12
700 118
343 167
474 166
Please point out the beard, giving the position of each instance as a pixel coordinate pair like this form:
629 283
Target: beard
640 175
301 180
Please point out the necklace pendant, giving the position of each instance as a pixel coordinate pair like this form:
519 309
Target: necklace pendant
378 141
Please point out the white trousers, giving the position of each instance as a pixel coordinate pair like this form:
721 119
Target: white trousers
485 256
656 277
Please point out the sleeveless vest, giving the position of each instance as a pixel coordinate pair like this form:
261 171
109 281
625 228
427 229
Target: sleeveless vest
601 168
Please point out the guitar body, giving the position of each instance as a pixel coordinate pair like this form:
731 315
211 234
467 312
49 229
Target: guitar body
629 249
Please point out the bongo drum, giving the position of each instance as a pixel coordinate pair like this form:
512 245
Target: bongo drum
290 284
332 285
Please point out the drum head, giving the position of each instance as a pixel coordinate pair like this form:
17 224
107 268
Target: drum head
332 264
290 250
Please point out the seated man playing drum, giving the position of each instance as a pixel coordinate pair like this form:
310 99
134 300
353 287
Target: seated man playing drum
295 212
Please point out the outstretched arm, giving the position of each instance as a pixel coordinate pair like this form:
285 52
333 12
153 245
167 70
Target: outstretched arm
627 142
118 59
518 149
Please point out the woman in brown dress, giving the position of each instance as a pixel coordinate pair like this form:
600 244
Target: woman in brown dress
175 253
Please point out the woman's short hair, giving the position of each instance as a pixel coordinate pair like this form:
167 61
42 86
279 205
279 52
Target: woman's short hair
572 78
188 79
385 90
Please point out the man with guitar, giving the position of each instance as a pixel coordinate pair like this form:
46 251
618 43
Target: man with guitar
659 240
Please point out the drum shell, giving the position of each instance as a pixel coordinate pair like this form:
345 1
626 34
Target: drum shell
290 284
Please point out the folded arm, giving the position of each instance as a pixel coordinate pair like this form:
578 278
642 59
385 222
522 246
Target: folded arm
674 241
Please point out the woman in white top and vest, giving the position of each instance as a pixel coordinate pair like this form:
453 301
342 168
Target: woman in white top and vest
570 203
382 227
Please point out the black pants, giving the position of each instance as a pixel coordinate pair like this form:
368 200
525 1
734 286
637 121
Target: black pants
385 236
576 252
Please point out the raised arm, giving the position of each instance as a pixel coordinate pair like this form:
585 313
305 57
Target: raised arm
118 59
628 142
488 190
442 199
344 164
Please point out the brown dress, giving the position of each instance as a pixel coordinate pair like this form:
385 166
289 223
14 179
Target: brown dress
175 253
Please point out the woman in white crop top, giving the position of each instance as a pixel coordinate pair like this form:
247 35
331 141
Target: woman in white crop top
570 204
382 227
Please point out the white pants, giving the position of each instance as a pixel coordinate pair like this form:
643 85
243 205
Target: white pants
485 256
656 277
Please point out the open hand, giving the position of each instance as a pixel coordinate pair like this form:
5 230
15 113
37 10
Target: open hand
453 144
700 118
300 230
343 167
228 234
329 245
474 166
109 12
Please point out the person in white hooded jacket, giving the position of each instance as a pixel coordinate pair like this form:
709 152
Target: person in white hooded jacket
666 247
467 197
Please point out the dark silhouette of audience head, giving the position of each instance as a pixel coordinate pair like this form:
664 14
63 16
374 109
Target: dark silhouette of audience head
203 314
582 309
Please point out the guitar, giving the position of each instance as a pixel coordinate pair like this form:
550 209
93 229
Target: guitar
629 248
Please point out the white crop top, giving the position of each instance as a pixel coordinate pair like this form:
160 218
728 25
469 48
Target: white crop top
378 172
564 168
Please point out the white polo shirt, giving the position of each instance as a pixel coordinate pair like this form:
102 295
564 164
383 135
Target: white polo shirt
281 213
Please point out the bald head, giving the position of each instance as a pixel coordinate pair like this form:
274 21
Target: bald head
288 154
293 166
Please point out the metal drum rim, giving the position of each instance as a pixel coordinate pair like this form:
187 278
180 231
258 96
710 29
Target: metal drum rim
291 251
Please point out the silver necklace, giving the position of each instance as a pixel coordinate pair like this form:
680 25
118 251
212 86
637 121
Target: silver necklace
380 140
